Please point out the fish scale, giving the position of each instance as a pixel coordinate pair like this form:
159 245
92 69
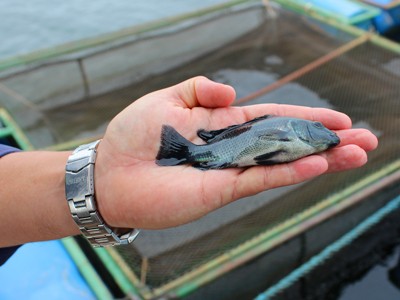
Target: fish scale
265 140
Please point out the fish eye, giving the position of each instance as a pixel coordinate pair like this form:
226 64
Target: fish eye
318 125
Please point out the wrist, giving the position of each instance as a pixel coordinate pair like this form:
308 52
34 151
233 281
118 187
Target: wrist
80 194
109 185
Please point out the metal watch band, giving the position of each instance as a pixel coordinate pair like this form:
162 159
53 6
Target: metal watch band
79 189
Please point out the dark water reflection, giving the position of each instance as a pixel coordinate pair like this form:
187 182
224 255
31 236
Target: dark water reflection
381 282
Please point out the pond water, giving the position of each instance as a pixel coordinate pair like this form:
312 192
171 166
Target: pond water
381 282
26 26
367 89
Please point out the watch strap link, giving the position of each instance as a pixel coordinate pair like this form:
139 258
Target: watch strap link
79 187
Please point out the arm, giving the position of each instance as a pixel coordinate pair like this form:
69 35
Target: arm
32 198
133 192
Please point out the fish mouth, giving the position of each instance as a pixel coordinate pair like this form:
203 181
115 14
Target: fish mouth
335 140
332 138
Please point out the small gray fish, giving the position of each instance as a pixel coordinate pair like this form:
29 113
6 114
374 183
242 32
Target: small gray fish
265 140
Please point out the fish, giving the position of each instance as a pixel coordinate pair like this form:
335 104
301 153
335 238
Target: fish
265 140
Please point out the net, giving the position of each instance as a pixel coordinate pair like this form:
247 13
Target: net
359 82
286 59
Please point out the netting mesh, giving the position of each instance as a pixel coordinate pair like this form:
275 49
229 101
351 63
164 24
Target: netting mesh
332 276
359 83
362 82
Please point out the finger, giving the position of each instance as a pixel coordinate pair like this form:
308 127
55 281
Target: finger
345 158
257 179
361 137
200 91
330 118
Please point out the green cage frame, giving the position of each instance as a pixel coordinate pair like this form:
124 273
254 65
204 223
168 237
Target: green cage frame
130 283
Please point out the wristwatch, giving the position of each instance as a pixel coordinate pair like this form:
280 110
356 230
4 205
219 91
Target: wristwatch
79 190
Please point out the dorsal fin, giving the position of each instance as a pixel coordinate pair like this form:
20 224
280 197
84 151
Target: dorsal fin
208 136
264 117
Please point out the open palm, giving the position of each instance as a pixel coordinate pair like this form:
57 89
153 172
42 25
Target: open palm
133 192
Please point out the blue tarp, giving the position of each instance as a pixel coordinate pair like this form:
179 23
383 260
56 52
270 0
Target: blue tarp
344 8
40 271
388 19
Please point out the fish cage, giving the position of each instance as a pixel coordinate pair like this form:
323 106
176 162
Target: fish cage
10 133
81 70
245 247
345 11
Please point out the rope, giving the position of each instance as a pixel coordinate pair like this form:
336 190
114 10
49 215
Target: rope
330 250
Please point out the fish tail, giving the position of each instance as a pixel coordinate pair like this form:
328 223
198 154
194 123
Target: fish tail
174 149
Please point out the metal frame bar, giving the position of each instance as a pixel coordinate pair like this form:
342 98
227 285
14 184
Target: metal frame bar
86 269
13 130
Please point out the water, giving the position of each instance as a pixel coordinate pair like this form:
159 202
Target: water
248 65
377 280
248 81
26 26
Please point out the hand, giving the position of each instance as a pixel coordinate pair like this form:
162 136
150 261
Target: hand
133 192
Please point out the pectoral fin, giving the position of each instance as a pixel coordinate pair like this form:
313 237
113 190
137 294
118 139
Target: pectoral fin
208 136
269 158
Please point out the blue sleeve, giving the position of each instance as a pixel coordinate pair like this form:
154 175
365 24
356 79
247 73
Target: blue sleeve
4 150
5 253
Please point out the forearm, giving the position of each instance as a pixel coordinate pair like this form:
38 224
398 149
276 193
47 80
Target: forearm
32 198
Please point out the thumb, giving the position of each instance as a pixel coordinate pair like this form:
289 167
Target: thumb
200 91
